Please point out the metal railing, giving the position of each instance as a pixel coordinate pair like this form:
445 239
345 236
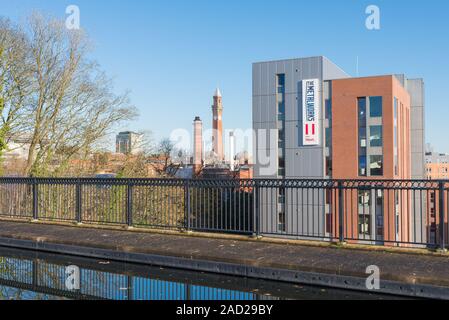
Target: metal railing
381 212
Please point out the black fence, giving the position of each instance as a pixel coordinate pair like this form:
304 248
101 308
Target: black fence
380 212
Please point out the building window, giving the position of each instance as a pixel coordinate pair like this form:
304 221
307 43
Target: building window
375 136
364 198
361 105
375 106
364 225
281 165
362 166
281 135
395 136
328 109
281 80
281 210
364 212
362 110
328 137
376 165
328 166
362 138
280 84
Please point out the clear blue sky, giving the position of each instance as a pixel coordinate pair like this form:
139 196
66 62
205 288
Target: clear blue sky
172 54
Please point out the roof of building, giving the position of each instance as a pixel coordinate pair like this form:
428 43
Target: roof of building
217 93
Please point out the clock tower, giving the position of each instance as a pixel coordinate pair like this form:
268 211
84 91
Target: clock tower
217 125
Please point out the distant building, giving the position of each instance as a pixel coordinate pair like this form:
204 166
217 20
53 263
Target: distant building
437 164
129 143
17 148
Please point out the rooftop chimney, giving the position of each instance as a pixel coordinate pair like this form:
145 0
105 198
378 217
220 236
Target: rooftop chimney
197 145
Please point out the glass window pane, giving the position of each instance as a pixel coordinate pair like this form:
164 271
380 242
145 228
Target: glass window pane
281 163
328 108
376 165
328 137
281 80
375 106
281 108
364 225
362 137
362 110
362 165
375 136
281 134
364 198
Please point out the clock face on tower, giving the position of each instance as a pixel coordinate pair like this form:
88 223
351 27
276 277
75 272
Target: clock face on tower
215 117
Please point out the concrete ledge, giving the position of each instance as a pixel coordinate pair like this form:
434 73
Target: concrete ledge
251 238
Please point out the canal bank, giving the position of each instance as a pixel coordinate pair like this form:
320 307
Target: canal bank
407 274
26 274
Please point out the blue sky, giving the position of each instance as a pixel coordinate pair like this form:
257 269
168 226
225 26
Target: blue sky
172 54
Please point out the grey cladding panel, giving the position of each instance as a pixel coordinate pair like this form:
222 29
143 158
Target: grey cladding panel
332 71
304 163
416 89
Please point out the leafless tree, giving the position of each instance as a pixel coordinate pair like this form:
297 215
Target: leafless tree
68 106
15 83
165 150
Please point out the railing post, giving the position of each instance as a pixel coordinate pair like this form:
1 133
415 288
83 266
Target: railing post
187 212
442 215
129 204
35 200
78 201
256 211
340 213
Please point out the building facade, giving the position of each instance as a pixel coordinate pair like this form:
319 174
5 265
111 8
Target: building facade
437 165
313 121
129 143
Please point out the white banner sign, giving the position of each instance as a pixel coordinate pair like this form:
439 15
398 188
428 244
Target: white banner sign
311 112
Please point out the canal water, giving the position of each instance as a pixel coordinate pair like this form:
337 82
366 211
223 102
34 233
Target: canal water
42 276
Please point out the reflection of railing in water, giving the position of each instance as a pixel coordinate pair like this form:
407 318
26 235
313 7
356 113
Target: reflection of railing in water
31 277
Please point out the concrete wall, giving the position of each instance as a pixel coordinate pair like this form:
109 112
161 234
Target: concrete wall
415 88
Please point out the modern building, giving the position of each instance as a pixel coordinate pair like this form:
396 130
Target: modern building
129 143
313 121
437 164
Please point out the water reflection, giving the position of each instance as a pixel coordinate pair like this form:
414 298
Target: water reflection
40 276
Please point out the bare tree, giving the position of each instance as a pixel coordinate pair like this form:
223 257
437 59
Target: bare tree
146 143
165 150
15 83
62 101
